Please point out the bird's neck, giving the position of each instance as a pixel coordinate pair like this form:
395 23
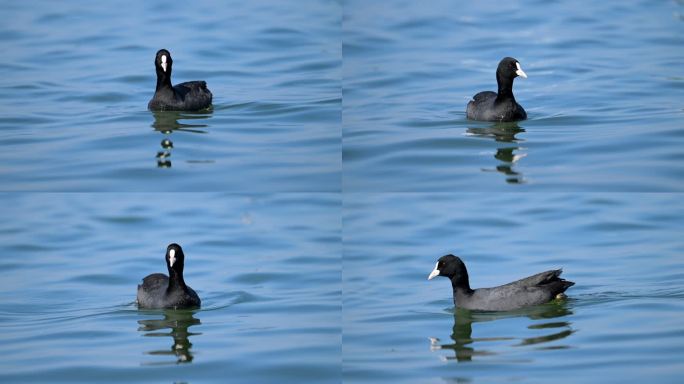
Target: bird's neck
461 285
163 80
505 85
175 280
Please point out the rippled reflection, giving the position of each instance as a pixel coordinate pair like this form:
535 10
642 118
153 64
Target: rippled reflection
174 324
166 122
466 348
508 155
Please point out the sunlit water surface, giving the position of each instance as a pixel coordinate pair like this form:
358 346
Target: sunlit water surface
621 322
77 76
603 95
267 269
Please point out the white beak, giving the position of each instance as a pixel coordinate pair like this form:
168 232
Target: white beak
163 63
520 72
172 257
435 272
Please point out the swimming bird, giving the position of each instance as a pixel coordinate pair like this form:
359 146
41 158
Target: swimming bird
161 291
189 96
532 290
500 105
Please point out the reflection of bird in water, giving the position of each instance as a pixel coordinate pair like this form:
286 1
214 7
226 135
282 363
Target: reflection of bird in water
163 160
466 348
509 158
166 122
504 133
178 321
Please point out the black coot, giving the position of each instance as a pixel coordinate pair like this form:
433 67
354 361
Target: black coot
160 291
499 106
532 290
190 96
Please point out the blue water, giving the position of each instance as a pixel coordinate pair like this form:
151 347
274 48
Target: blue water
266 267
621 323
77 76
604 96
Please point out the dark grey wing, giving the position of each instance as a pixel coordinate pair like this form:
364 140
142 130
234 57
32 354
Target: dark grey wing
540 279
507 297
152 289
480 106
194 95
155 281
549 282
484 96
532 290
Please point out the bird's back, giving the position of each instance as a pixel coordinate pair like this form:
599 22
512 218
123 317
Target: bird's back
153 287
480 103
532 290
194 95
188 96
485 107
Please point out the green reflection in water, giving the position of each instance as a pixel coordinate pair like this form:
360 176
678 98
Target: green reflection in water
166 122
174 324
466 348
508 155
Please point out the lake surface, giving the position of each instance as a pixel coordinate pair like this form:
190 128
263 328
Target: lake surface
77 76
267 268
603 95
621 323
